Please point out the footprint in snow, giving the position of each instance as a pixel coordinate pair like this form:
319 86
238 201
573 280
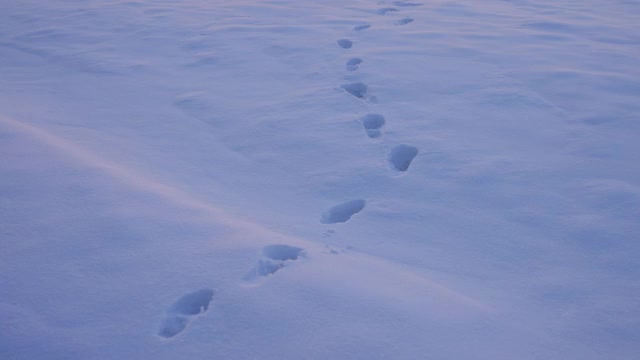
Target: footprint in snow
345 43
405 3
373 124
330 250
361 27
383 11
357 89
342 212
183 311
353 64
329 233
274 258
401 157
404 21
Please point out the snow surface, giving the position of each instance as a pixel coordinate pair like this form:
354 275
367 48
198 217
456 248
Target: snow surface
293 179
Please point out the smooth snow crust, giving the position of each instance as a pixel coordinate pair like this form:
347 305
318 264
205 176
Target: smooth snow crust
245 179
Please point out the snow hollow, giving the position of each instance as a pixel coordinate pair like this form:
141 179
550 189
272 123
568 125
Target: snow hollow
280 179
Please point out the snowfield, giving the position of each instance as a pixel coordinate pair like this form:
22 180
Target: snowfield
281 179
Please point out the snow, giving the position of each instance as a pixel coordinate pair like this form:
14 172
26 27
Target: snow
319 179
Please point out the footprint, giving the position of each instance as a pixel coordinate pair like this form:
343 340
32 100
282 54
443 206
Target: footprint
352 64
330 250
361 27
405 3
329 233
385 10
401 156
274 258
342 212
183 311
404 21
372 124
345 43
358 89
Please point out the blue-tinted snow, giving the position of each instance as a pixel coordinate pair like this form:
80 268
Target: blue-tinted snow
152 153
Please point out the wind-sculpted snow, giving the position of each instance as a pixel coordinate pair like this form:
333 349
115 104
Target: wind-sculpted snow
393 179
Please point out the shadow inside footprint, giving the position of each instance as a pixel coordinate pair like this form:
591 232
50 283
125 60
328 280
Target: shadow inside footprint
372 124
282 252
342 212
405 3
361 27
385 10
404 21
193 303
274 258
182 312
345 43
358 89
401 156
353 64
172 326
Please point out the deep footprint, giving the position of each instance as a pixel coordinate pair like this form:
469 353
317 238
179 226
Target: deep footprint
372 124
345 43
386 10
353 64
274 258
361 27
342 212
358 89
182 312
404 21
401 157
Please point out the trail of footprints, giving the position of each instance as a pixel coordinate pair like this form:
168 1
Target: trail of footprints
400 156
192 305
275 257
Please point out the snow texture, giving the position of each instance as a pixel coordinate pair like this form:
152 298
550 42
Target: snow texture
336 179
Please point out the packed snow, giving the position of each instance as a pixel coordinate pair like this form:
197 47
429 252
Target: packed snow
339 179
